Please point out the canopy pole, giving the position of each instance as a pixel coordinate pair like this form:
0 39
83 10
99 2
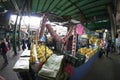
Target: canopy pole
19 26
112 22
14 37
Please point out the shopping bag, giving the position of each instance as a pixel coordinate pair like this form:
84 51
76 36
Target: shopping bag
51 67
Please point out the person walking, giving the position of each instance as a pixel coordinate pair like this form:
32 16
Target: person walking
28 43
106 47
9 42
23 44
3 51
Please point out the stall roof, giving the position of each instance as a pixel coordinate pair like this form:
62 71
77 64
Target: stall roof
76 9
82 10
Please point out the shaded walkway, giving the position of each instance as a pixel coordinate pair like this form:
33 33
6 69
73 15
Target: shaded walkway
105 68
8 72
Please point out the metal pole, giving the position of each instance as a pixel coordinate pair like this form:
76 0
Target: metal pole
21 14
14 37
110 12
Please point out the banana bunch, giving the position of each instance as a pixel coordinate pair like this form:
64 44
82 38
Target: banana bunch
92 40
91 53
49 52
43 59
32 59
32 46
97 41
43 52
84 50
32 54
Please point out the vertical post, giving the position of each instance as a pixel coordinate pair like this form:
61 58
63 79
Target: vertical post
14 36
115 26
110 12
19 32
21 13
74 42
29 7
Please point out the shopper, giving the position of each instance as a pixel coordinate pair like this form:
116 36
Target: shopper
28 43
3 51
106 47
9 42
23 44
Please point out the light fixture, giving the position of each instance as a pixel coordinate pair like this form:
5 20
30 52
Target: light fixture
106 30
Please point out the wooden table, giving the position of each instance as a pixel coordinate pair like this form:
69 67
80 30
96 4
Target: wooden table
22 65
26 53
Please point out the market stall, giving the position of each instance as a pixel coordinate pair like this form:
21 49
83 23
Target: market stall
70 64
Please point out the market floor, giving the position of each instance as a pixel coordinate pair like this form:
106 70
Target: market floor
105 68
7 72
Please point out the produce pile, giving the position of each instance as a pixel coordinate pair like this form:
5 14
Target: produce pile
33 57
39 52
94 40
88 52
43 52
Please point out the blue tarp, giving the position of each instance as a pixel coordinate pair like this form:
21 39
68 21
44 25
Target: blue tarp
79 72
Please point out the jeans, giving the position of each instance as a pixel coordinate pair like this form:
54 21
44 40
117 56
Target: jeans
5 58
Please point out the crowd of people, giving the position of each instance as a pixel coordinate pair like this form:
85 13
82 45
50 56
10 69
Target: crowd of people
107 47
6 45
3 50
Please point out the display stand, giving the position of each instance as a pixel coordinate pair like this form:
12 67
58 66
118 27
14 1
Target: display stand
79 72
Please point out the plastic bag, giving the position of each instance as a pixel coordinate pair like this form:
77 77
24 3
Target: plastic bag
51 67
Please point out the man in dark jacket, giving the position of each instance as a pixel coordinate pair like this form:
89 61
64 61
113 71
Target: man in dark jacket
28 43
3 51
23 44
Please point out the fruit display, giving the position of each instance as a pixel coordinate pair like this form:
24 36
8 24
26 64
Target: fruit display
33 56
43 52
91 53
40 52
88 52
94 40
84 50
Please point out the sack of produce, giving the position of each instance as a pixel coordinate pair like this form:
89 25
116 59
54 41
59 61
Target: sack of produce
51 67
